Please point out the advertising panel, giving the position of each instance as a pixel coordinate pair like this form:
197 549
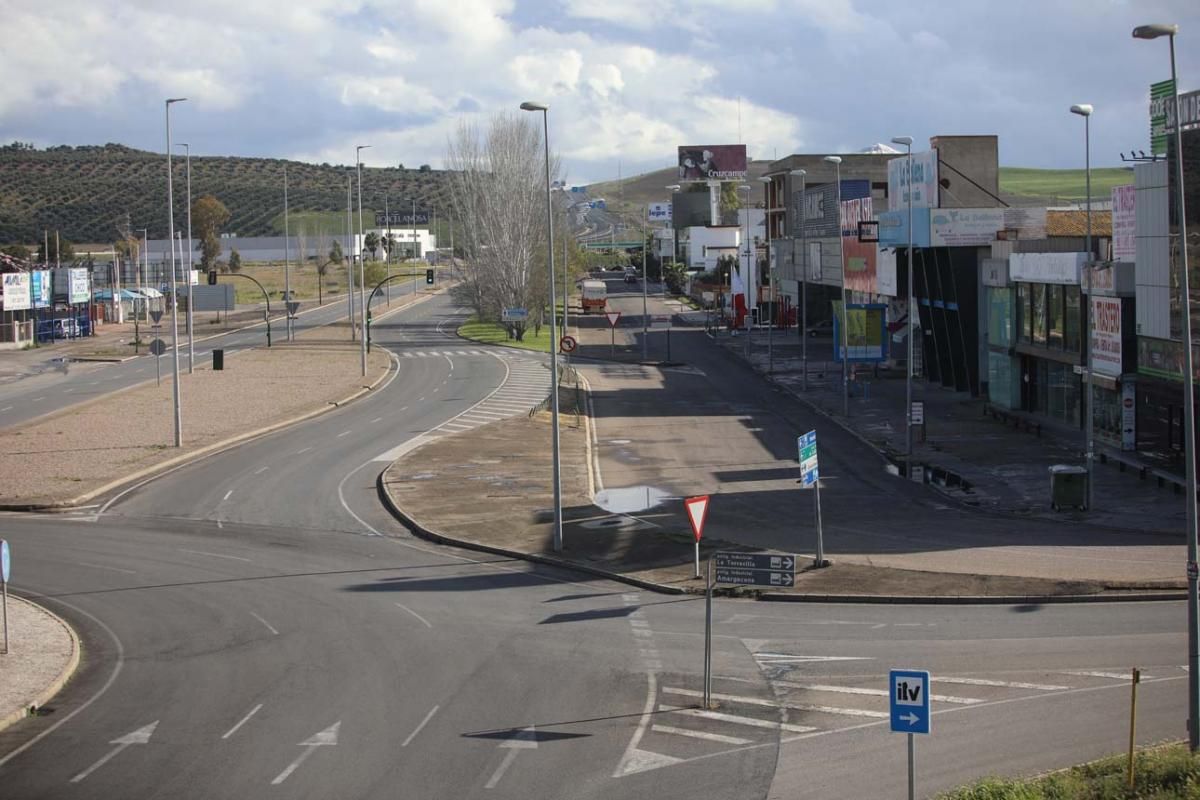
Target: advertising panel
659 212
866 333
1124 220
1160 97
965 227
401 219
80 291
1189 109
820 207
17 295
1106 336
712 162
885 271
853 212
923 181
42 297
893 228
860 264
1029 223
1046 267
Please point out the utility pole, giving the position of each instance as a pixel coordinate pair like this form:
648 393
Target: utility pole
287 273
350 251
362 276
190 319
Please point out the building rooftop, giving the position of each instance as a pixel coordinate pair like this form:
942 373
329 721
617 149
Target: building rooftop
1074 223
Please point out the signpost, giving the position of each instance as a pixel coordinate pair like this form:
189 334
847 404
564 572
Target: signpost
742 569
567 344
514 315
909 706
5 569
810 475
612 317
292 307
697 511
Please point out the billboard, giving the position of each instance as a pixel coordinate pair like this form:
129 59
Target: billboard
400 219
1124 221
923 182
17 291
80 290
1160 95
42 297
893 228
965 227
1106 336
659 212
712 162
820 207
866 333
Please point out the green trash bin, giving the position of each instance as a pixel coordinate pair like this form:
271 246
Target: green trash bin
1068 487
218 358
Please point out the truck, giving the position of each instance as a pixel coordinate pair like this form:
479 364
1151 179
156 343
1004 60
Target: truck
594 296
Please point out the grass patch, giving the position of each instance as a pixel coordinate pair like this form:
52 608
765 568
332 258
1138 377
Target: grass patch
304 280
1067 184
1161 773
495 333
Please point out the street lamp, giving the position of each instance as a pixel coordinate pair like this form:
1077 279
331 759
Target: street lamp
362 278
1189 411
174 294
190 320
1085 110
802 175
558 535
746 279
907 141
837 162
673 189
766 182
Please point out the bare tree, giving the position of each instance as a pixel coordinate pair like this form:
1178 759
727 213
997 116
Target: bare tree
498 192
323 260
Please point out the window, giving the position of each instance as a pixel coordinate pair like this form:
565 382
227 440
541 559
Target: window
1039 313
1054 316
1025 311
1072 327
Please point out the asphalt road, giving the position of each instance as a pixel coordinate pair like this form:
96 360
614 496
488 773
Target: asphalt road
255 624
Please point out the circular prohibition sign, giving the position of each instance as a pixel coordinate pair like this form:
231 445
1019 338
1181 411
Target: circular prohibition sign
567 344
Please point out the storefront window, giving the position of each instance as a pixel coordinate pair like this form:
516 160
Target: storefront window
1025 311
1039 313
1000 317
1054 316
1062 395
1003 384
1071 300
1107 419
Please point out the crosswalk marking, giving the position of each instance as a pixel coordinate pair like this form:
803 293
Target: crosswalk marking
819 687
1046 687
1116 676
752 722
712 737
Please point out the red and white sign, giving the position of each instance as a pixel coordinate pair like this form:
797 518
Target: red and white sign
612 316
697 511
567 344
1106 336
1124 221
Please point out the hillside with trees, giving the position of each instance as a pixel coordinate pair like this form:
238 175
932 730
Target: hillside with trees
87 193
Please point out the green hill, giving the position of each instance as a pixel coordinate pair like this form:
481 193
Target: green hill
86 192
1062 184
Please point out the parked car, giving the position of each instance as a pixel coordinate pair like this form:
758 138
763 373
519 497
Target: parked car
820 329
631 275
66 328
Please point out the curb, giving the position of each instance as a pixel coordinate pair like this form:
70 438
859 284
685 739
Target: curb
47 694
155 470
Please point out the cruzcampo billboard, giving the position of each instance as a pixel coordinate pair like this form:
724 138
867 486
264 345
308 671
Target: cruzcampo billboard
712 162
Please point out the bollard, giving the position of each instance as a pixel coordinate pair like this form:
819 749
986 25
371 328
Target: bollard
218 359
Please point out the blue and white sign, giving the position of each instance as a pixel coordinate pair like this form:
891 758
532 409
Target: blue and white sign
40 281
5 561
807 447
659 212
909 690
514 315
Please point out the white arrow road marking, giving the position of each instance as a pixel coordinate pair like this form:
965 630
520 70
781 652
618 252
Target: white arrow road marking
525 739
327 737
140 736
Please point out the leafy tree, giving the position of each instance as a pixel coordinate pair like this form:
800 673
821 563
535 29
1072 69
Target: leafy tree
56 243
335 252
675 277
235 261
425 168
372 243
208 215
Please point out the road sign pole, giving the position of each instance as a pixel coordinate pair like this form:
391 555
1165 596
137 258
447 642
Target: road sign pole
820 562
4 584
912 768
708 638
612 349
697 575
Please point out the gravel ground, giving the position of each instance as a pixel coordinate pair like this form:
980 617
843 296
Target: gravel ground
71 452
40 648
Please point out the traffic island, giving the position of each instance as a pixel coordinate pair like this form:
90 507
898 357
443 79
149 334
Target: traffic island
42 656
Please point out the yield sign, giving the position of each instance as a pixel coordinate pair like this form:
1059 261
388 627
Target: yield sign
613 316
697 510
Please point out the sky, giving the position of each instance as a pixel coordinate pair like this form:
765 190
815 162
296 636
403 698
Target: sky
627 81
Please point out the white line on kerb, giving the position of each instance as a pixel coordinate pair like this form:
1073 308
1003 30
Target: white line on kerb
424 722
264 622
424 621
244 720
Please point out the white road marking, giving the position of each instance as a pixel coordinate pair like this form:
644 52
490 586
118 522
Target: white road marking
861 690
712 737
265 623
227 494
140 736
343 433
261 470
784 658
215 555
424 621
101 566
424 722
67 391
34 400
377 419
1006 684
525 739
305 450
759 701
1116 676
752 722
6 408
244 720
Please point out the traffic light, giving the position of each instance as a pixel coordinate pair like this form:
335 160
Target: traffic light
212 277
429 277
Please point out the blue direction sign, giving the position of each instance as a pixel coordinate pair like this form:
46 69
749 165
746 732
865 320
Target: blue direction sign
5 561
807 446
910 700
755 569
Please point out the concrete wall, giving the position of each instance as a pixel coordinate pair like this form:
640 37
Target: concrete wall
1151 248
963 157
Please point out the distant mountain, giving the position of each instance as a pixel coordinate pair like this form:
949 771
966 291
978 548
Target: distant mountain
879 149
87 192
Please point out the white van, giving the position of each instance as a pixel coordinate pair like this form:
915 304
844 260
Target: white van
66 328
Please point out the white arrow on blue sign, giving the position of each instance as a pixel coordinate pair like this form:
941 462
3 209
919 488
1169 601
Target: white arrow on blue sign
909 691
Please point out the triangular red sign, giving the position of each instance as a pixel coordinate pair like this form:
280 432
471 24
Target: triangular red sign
613 316
697 511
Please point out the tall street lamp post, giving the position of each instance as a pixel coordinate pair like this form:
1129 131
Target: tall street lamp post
362 275
187 150
1189 408
287 260
558 535
802 175
746 283
645 307
912 307
766 182
673 189
837 162
350 251
174 293
1085 110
